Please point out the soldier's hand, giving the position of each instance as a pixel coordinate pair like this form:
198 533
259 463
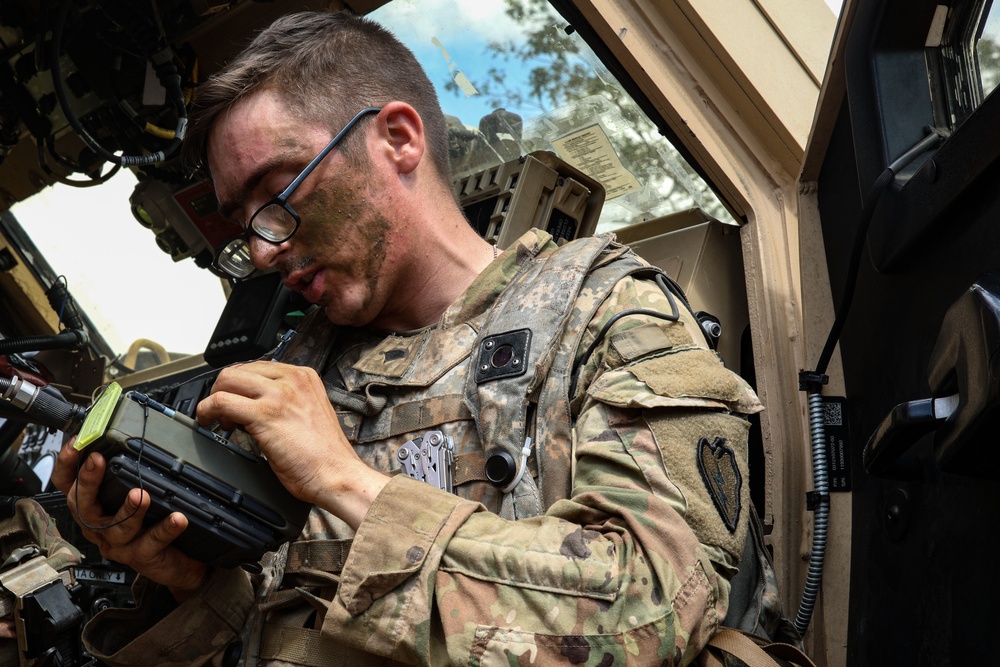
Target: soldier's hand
286 410
122 537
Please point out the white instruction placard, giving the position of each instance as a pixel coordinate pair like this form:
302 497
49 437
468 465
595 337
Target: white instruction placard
590 151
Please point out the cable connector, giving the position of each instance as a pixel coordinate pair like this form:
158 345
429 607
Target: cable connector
812 381
525 452
816 498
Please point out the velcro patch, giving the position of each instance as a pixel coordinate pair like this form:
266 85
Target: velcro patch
721 474
696 373
643 339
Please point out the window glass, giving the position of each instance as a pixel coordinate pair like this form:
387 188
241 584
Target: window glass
988 51
130 289
513 77
965 61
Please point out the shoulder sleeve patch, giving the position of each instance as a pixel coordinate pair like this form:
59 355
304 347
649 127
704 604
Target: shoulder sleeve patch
704 455
721 474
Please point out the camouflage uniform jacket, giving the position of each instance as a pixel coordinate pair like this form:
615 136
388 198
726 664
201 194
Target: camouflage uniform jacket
629 568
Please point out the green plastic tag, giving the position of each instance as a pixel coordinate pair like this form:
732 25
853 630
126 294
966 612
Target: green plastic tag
100 414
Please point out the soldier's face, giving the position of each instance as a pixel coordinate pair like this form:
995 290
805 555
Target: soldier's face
338 256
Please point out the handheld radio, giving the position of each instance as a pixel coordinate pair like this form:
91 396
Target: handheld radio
237 509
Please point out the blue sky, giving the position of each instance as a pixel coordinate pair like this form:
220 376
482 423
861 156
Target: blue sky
465 43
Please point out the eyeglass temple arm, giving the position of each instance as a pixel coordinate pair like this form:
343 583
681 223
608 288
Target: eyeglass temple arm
286 193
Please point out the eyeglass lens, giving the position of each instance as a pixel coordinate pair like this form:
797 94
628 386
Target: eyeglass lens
234 258
274 223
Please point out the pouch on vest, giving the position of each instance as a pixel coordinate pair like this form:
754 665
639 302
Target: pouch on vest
35 578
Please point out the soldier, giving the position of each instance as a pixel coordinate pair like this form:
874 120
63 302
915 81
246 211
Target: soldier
597 505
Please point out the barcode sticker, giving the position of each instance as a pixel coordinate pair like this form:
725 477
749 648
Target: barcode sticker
838 451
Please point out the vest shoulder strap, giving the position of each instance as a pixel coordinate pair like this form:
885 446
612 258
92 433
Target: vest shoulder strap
542 316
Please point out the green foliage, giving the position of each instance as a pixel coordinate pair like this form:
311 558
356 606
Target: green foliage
988 54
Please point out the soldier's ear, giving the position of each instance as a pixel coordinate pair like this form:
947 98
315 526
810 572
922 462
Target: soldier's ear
401 133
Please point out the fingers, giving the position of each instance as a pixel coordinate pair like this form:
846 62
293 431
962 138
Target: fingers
126 524
150 552
260 390
123 537
81 484
125 540
67 460
81 496
254 379
251 377
230 401
110 533
106 531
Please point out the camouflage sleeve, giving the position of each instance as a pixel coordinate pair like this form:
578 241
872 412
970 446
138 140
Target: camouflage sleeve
632 569
193 633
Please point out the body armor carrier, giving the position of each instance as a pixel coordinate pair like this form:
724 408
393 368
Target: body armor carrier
517 364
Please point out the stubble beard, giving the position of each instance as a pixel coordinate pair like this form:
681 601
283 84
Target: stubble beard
352 223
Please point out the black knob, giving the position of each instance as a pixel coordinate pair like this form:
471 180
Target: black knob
500 468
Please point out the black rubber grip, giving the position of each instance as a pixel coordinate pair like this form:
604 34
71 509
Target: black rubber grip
52 410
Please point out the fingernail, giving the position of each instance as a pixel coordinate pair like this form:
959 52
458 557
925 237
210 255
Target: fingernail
90 465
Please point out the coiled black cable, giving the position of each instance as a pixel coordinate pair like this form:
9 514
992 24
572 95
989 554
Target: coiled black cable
166 72
813 381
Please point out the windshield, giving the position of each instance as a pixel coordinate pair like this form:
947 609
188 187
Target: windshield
515 78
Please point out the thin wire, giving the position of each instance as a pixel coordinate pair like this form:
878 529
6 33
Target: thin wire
138 470
264 357
664 283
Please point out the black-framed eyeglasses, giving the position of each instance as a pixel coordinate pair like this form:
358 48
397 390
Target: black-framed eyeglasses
276 221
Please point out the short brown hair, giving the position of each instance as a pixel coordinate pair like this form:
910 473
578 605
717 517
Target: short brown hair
327 65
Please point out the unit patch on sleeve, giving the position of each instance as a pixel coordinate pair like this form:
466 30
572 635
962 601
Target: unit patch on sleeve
717 463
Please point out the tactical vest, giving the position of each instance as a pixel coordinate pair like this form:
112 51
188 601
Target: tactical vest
490 414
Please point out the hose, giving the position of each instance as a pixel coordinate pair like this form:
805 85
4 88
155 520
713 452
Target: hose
821 515
70 339
98 180
21 399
